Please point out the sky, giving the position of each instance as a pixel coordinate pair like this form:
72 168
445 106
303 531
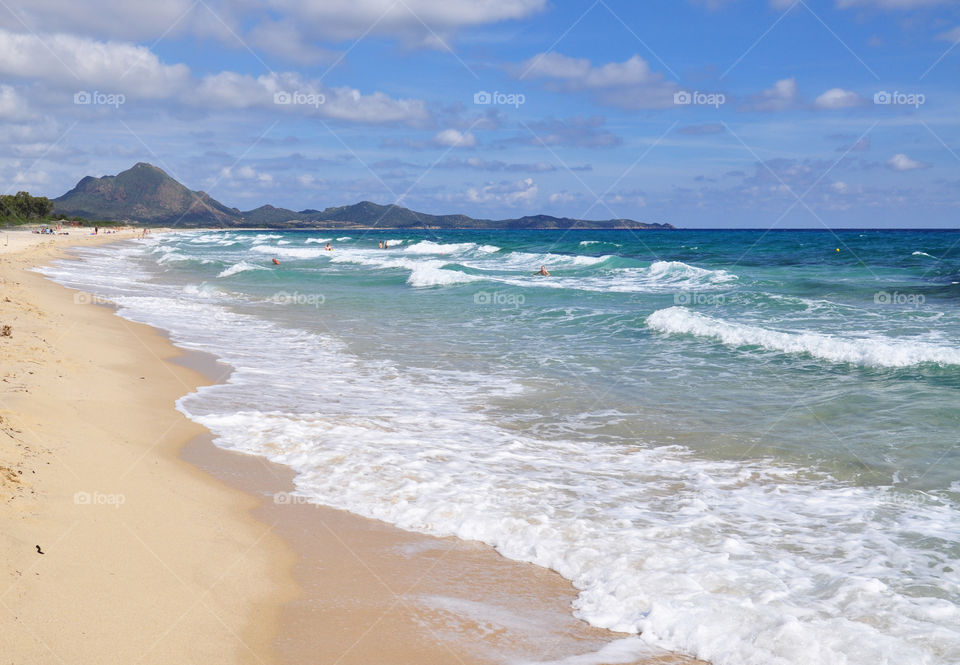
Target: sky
697 113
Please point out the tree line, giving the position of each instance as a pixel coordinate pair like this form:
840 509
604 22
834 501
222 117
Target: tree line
21 207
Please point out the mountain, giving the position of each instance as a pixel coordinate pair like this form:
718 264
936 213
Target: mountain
146 194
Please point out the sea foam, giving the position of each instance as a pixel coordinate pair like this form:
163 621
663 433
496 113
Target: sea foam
873 351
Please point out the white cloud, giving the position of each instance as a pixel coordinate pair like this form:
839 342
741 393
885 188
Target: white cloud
780 96
565 197
837 98
630 84
71 64
900 162
375 108
245 174
310 180
105 18
455 139
517 193
426 23
74 62
12 105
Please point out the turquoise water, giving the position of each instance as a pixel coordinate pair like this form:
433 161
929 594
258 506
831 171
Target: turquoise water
742 445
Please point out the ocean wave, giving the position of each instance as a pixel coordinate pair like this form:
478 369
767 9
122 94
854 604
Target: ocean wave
319 241
430 247
423 272
678 271
433 274
918 253
290 252
867 351
242 266
170 256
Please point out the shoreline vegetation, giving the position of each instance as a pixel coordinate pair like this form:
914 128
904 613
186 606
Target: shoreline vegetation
130 537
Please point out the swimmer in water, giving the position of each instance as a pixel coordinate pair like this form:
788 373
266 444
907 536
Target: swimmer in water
380 245
328 248
542 271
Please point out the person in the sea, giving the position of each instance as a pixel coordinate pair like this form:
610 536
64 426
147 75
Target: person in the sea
328 248
386 244
380 245
542 271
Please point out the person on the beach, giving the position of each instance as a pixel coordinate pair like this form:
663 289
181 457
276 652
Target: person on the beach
542 271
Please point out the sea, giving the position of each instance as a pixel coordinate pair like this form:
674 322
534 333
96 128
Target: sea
740 445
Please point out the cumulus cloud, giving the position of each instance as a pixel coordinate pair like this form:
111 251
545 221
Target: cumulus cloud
454 138
900 162
107 18
12 105
781 96
423 23
516 193
236 23
290 93
76 61
837 98
245 174
630 84
72 63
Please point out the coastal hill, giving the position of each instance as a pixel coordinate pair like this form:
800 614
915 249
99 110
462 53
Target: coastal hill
145 194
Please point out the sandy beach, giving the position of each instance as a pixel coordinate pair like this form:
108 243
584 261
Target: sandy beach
128 537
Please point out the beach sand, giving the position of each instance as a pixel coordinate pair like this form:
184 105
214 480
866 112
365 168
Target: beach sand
159 547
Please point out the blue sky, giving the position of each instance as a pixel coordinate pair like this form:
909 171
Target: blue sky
700 113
